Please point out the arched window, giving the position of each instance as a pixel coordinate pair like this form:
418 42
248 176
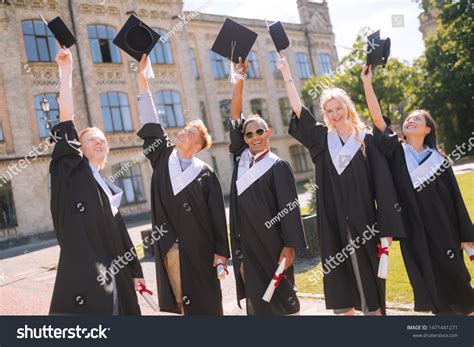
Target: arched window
285 110
102 48
325 64
46 119
304 68
259 106
115 112
161 53
220 66
300 158
253 70
170 110
40 43
273 58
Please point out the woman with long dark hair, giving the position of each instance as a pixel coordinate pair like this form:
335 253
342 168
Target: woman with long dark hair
436 221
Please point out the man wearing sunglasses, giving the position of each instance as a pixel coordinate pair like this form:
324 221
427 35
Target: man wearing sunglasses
188 216
264 214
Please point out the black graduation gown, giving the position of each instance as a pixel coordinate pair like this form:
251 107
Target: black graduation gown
258 246
361 197
196 217
89 235
436 222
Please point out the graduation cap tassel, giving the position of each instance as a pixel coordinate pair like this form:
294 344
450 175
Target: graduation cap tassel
234 74
149 70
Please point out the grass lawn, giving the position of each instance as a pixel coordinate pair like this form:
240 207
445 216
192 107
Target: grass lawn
398 286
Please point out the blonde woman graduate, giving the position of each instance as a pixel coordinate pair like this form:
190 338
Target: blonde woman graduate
356 200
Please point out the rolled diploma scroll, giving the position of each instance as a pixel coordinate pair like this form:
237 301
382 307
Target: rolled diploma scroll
146 293
383 263
272 286
220 269
470 252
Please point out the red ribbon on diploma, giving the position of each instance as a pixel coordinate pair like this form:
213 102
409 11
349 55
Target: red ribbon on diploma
225 269
471 257
143 289
382 250
278 279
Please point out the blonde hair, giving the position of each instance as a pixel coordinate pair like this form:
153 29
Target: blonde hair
206 140
89 130
341 95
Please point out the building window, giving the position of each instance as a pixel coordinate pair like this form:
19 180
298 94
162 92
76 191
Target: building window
161 53
273 58
220 65
115 112
300 158
194 64
259 106
46 121
102 47
285 110
302 62
253 70
7 206
130 182
2 136
224 108
40 43
170 109
202 108
325 64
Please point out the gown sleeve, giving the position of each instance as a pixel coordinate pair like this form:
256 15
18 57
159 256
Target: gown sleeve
308 132
466 232
215 204
156 142
66 154
388 213
237 143
387 141
287 199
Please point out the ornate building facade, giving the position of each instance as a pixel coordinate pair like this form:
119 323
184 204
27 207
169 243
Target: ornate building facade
190 83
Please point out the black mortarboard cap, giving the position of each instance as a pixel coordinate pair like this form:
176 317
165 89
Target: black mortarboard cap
278 34
378 49
61 32
234 37
136 38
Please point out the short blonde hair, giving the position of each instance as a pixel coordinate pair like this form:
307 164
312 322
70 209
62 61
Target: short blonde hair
206 140
89 130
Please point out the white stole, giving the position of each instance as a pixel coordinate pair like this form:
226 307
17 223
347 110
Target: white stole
247 176
113 192
181 179
419 174
341 155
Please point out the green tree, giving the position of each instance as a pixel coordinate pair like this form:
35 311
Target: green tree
392 83
446 89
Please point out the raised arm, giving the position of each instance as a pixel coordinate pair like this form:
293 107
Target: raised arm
146 107
66 100
293 96
372 102
236 106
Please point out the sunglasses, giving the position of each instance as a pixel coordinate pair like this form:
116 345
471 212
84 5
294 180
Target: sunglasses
258 132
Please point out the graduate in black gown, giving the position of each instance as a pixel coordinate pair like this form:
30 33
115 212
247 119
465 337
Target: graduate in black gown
356 201
265 219
188 214
437 223
98 270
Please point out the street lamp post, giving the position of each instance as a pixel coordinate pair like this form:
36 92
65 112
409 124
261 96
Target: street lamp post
45 107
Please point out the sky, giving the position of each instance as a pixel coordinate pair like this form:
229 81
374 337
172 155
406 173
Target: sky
347 17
